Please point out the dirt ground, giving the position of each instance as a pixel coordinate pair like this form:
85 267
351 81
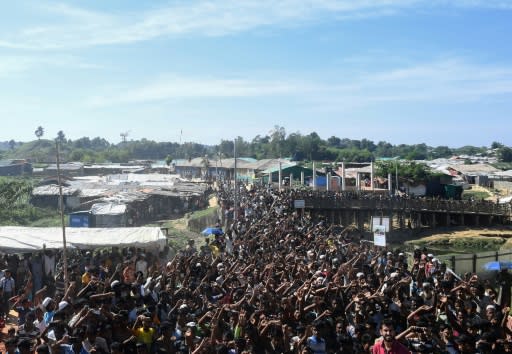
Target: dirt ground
503 232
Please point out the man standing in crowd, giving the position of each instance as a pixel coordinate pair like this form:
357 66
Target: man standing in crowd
8 289
389 344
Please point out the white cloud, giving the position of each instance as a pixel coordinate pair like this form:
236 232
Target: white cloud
14 65
74 27
174 87
446 80
19 64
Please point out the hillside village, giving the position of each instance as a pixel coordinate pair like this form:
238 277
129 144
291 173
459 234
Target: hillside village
113 195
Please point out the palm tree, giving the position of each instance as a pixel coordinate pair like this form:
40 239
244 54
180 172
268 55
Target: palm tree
206 165
168 160
39 132
61 137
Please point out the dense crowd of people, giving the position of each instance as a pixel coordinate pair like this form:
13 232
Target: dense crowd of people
275 281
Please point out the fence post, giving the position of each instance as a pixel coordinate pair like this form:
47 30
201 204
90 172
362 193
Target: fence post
452 260
474 262
497 257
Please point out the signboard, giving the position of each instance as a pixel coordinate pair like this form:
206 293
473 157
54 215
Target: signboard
299 204
379 235
380 221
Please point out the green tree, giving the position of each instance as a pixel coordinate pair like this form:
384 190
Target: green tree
334 141
61 137
384 149
496 145
441 151
277 140
12 144
39 132
505 154
206 167
410 170
225 148
168 160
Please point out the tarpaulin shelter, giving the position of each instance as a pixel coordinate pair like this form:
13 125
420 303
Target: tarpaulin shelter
15 239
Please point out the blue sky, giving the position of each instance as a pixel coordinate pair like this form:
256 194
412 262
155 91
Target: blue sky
404 71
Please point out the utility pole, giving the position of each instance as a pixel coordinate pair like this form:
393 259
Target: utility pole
61 202
235 213
396 176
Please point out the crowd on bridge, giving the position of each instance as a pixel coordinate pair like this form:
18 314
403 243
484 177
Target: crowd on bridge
276 281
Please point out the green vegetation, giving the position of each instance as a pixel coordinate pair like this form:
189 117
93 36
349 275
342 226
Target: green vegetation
15 207
460 244
178 237
277 143
475 195
202 213
179 234
503 165
406 170
505 154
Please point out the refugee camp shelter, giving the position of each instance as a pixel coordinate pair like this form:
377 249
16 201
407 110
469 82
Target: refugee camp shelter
17 239
15 168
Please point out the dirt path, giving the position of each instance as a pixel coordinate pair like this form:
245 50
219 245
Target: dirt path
213 202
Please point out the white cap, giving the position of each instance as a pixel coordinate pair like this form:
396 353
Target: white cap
401 254
63 305
490 307
115 283
360 274
393 275
190 324
322 256
389 253
183 306
430 255
198 264
46 302
220 265
435 260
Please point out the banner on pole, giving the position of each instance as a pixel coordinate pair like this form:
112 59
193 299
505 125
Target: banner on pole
379 235
381 221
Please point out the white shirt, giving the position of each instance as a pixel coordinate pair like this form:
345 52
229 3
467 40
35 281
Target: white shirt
49 265
142 266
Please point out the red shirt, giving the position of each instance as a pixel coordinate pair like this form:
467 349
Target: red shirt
396 348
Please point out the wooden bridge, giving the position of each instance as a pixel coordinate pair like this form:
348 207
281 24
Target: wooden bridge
408 213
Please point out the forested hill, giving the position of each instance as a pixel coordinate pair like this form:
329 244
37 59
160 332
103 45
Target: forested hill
276 144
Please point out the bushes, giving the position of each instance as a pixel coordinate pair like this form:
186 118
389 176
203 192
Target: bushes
15 207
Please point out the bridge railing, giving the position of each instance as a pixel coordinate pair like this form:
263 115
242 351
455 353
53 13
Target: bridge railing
452 206
475 263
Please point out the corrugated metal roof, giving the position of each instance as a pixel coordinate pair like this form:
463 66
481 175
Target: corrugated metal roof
507 173
53 189
265 164
114 166
479 169
108 209
283 167
353 171
70 166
